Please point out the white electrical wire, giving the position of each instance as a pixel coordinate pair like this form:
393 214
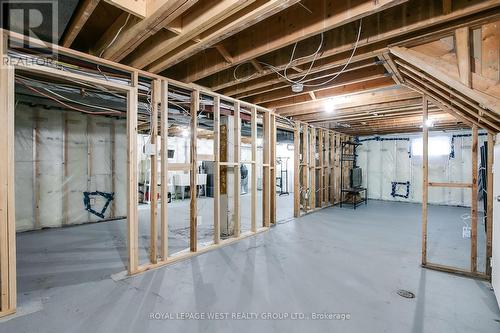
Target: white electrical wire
315 54
111 43
274 69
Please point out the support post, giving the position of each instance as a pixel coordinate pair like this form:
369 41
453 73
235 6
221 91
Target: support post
217 170
305 167
195 103
296 170
267 170
65 205
164 170
473 210
113 165
425 176
312 168
254 170
489 203
8 287
319 167
132 216
326 168
153 185
36 170
462 44
237 177
332 168
272 164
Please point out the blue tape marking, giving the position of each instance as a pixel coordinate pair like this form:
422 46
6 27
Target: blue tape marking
88 207
394 188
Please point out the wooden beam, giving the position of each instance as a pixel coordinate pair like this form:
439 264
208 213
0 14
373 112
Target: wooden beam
454 270
258 67
193 227
374 35
349 78
268 35
78 20
461 106
425 177
224 53
134 7
256 12
131 37
317 75
373 97
412 57
462 45
441 100
473 209
447 8
204 16
454 185
490 51
277 101
164 170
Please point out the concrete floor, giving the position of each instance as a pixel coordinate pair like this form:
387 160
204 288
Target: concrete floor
335 260
178 213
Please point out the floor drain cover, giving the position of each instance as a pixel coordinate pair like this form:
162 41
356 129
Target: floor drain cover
405 293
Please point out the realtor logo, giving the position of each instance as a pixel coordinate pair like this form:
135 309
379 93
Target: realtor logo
36 20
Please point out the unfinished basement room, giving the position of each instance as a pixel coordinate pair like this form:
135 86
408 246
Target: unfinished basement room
250 166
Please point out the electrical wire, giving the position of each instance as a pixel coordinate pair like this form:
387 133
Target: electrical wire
111 43
25 81
65 104
303 77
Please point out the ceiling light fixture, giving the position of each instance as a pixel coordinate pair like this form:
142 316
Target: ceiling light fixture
297 87
329 105
429 123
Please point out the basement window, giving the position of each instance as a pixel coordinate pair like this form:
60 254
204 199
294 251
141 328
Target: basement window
438 146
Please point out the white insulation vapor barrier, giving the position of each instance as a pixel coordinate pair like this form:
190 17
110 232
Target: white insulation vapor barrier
398 158
42 187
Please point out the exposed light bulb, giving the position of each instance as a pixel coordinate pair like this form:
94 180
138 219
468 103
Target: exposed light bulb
330 105
429 123
185 132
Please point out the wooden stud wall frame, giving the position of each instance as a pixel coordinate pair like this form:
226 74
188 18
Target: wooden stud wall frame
159 255
7 205
472 272
317 152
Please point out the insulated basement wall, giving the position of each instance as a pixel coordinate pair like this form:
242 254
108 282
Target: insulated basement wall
44 140
386 161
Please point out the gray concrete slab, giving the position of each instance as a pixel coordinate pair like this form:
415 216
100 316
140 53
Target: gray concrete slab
335 260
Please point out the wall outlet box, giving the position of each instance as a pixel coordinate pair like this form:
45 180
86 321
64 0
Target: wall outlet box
149 149
466 232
